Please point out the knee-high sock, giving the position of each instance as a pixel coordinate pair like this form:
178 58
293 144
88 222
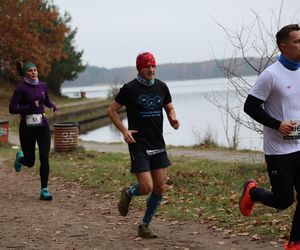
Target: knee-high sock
153 204
133 190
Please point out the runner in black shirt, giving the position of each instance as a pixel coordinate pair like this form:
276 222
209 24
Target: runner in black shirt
144 99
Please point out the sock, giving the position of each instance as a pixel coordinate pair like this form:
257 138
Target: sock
153 204
133 190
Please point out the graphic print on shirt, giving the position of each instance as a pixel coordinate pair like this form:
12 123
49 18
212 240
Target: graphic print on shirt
151 105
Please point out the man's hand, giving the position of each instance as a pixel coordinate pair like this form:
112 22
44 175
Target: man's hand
286 127
172 115
127 135
174 122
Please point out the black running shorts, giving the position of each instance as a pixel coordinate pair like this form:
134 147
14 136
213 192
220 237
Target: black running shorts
142 162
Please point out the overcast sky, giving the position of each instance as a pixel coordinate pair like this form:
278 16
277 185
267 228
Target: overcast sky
112 32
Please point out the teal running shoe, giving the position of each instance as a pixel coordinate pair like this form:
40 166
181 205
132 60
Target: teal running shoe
45 195
17 163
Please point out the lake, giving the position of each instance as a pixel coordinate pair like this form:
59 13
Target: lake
198 116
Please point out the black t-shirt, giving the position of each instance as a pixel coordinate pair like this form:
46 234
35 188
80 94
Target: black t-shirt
144 107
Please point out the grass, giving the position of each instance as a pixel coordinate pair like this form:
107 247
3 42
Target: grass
197 190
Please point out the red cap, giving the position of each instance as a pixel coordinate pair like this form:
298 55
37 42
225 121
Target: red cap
145 59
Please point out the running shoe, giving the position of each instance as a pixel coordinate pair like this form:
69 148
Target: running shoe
17 163
246 204
124 202
292 246
146 232
45 195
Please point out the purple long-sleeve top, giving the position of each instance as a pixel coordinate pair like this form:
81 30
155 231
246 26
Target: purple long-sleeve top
23 100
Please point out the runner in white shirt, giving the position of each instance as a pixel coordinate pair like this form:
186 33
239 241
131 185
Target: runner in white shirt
274 102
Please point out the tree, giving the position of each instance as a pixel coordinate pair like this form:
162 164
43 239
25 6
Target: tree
68 67
30 30
254 45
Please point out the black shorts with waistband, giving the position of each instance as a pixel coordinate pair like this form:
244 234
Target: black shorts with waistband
142 162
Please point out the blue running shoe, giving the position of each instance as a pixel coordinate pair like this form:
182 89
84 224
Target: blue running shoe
45 195
17 163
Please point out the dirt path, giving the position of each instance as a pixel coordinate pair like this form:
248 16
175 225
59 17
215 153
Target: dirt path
83 219
78 218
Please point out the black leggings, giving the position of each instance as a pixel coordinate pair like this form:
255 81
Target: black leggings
284 174
28 138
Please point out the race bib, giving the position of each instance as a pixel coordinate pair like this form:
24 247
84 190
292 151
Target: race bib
295 134
34 120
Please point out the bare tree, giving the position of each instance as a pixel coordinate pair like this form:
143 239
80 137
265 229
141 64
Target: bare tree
114 88
254 46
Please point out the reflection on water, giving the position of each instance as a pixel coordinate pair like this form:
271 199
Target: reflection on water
105 134
197 116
